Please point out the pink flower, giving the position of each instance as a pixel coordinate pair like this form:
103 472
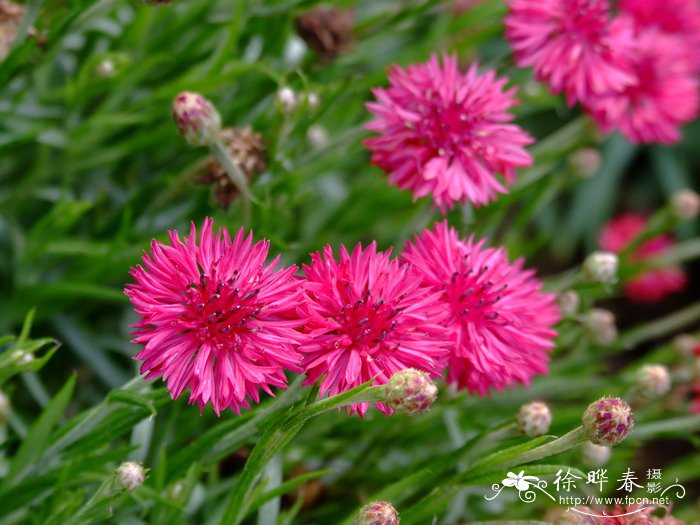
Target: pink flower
664 96
447 133
650 285
573 45
215 318
501 321
367 317
675 17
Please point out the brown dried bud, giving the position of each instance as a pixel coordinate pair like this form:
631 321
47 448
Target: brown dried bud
248 150
327 30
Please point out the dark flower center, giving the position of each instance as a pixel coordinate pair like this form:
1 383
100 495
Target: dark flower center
218 311
471 296
369 320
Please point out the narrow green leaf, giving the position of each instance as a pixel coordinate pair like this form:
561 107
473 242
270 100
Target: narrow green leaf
39 436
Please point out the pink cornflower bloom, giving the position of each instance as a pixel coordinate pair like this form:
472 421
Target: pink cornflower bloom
447 134
367 317
573 45
674 17
637 514
664 96
501 320
650 285
215 318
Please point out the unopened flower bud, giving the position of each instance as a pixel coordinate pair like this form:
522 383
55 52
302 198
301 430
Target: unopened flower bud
410 391
685 344
653 381
585 162
607 421
595 456
287 99
196 118
685 205
313 100
4 408
534 419
601 267
317 136
377 513
569 302
600 324
106 68
131 475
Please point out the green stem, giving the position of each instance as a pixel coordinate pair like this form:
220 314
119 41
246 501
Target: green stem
677 254
237 177
660 327
280 433
567 441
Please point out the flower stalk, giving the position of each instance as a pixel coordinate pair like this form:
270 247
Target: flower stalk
222 155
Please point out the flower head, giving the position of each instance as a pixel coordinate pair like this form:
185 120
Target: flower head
502 323
327 30
445 133
663 97
367 317
377 513
652 284
533 419
685 205
674 17
131 475
247 149
601 324
215 318
411 391
569 302
573 45
653 381
196 118
607 421
601 267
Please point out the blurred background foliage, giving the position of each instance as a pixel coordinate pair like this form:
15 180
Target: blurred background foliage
92 168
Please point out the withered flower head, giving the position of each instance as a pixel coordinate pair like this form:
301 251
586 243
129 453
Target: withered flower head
327 30
247 148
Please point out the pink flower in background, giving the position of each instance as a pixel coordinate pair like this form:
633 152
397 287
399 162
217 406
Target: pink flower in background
501 320
650 285
674 17
664 96
445 133
215 318
367 317
573 45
